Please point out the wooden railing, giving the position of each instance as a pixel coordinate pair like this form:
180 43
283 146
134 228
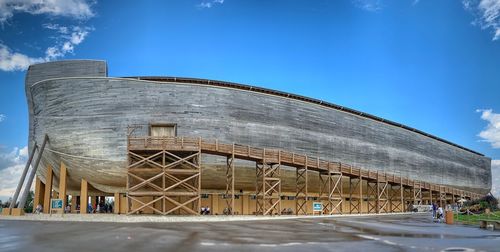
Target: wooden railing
284 157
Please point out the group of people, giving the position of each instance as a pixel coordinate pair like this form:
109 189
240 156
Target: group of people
437 212
205 210
39 209
100 208
67 209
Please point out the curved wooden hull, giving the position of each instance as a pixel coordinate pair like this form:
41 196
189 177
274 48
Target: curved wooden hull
86 114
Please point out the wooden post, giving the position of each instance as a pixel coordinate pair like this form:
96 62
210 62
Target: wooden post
84 197
39 193
401 194
93 202
116 208
430 194
73 203
360 192
48 189
63 174
215 203
245 205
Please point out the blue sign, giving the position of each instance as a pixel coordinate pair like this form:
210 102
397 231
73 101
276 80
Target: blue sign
56 204
317 206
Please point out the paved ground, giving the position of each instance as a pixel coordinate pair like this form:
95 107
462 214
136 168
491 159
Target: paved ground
374 233
157 218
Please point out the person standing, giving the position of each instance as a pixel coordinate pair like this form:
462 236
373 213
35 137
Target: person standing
440 214
434 209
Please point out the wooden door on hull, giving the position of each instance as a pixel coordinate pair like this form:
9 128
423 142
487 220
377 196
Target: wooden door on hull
163 130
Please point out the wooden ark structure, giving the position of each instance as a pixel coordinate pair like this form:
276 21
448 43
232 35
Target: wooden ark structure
167 145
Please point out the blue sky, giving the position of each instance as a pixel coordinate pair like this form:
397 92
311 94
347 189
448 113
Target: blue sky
432 65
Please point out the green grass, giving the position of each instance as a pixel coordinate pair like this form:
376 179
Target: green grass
474 219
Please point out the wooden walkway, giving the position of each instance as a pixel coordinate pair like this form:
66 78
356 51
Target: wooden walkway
270 157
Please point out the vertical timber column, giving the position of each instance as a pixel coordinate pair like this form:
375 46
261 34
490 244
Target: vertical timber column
198 160
246 204
116 208
93 202
353 183
62 184
382 193
73 203
48 189
229 197
301 181
430 194
39 193
84 197
360 192
401 191
268 184
215 203
442 196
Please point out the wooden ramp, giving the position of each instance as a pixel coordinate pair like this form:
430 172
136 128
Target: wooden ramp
166 171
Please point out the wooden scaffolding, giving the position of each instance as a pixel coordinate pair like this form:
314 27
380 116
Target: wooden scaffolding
356 200
330 191
301 184
268 185
229 194
163 179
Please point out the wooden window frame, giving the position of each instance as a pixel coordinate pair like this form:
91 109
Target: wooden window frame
151 125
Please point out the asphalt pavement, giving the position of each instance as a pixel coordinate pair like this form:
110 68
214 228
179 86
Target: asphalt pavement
415 232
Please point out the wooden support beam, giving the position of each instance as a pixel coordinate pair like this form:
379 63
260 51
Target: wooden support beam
171 184
73 203
301 185
23 177
371 195
395 198
168 154
84 197
48 189
116 208
268 186
39 193
401 189
417 192
215 203
229 195
355 202
62 184
382 193
442 196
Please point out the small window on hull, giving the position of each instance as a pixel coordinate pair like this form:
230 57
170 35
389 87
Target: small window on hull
163 130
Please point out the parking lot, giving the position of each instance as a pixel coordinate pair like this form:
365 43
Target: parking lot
373 233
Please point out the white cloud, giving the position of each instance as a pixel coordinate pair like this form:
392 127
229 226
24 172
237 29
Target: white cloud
9 178
2 117
68 37
61 29
368 5
209 4
14 61
23 152
11 167
487 14
491 133
78 34
495 177
78 9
